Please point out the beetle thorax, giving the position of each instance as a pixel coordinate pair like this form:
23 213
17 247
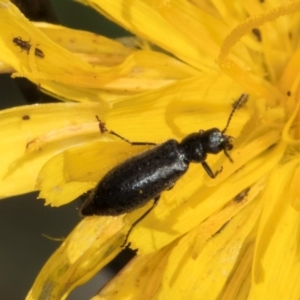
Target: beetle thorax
192 148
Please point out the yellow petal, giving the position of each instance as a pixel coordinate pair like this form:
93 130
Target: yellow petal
67 76
143 275
95 48
33 134
274 47
277 243
91 245
175 215
295 191
77 170
195 43
291 72
175 273
206 276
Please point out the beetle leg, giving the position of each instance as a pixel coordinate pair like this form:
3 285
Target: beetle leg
209 171
103 129
218 172
156 199
228 156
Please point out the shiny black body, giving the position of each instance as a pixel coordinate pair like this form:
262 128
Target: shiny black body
145 176
24 45
137 180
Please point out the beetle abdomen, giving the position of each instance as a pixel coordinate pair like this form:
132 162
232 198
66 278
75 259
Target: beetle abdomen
137 180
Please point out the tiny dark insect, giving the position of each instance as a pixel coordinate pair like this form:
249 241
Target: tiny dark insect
257 34
239 197
25 117
24 45
145 176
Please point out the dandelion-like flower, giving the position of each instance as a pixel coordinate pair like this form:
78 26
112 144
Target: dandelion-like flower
233 237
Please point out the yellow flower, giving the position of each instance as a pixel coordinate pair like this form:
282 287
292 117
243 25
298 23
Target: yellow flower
233 237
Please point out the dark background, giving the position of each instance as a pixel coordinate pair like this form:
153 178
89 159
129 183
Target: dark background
23 219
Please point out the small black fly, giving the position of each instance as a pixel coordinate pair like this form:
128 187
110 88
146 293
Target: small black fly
26 46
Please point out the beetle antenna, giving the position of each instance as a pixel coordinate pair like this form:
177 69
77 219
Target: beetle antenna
236 105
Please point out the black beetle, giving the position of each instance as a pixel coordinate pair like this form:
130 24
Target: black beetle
24 45
145 176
